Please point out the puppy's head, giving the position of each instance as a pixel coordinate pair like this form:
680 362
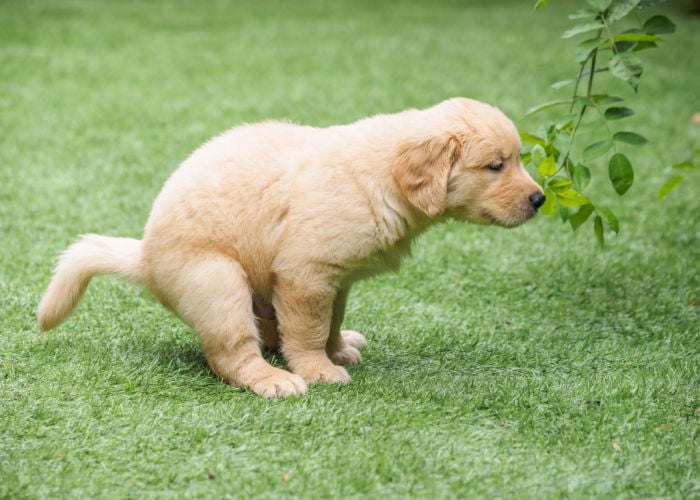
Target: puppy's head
465 162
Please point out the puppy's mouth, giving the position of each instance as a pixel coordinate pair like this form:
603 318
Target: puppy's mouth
510 220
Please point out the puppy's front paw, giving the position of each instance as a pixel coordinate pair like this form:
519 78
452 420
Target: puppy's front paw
278 384
353 339
324 372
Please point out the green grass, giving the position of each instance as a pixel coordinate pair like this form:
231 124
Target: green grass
522 363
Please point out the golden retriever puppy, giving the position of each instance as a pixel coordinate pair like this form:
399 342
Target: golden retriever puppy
259 235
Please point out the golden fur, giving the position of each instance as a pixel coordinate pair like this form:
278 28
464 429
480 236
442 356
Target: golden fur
259 235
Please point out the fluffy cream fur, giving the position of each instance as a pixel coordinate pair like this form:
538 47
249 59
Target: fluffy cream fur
259 235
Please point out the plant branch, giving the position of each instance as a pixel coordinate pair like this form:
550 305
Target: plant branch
584 107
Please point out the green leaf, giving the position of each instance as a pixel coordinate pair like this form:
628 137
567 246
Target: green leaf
605 99
598 230
587 72
621 173
547 105
627 67
550 206
541 3
597 149
685 165
609 218
551 131
582 100
659 25
583 14
583 28
563 83
559 185
561 141
566 126
571 198
583 50
636 37
538 154
669 185
569 167
599 5
564 213
624 46
531 139
548 167
582 176
644 45
620 8
630 138
617 113
577 219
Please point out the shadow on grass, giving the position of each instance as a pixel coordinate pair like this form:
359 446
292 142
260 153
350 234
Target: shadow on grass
174 360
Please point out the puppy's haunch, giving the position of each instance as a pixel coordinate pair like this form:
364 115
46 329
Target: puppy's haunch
258 236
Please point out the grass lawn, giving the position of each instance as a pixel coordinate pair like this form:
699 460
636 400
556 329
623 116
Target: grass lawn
502 363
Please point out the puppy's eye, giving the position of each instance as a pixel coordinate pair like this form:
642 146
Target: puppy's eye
496 167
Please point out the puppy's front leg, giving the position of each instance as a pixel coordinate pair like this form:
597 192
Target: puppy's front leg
304 301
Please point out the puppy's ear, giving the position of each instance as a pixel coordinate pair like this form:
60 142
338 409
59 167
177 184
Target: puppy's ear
422 170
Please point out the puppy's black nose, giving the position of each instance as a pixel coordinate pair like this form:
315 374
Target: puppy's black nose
537 199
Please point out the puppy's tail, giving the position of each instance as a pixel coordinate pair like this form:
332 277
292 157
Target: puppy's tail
91 255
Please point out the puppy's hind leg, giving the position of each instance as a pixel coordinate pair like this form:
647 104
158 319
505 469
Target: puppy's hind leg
214 298
343 346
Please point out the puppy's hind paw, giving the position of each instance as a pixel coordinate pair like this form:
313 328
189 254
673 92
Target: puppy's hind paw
347 355
353 339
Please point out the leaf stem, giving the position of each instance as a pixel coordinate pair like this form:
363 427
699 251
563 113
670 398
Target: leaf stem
611 37
584 107
590 77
